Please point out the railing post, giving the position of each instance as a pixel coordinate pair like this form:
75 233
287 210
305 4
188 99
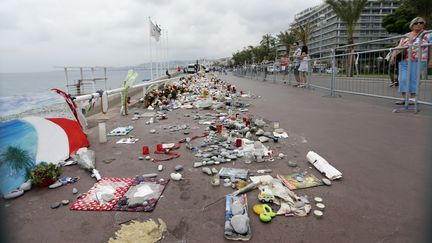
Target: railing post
333 72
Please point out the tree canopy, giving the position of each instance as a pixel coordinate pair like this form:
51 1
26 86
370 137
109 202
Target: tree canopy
398 21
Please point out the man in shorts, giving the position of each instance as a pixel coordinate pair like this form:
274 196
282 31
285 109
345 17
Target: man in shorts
284 66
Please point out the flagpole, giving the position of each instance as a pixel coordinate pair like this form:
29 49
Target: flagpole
150 51
166 43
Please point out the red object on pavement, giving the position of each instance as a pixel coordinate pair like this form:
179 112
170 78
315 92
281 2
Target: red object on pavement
145 150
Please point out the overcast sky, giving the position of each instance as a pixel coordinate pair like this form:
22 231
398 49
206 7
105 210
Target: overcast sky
36 35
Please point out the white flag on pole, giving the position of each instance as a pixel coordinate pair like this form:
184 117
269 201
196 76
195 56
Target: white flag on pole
155 31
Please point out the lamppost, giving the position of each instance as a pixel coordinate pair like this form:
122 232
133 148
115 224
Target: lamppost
321 23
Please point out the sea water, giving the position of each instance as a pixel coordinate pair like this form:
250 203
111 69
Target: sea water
20 92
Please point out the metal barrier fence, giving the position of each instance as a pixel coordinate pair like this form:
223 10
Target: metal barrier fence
370 73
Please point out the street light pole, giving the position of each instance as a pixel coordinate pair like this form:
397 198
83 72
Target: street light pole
322 21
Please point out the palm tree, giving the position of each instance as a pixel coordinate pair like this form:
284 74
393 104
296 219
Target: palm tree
348 11
268 43
286 39
303 32
423 8
17 159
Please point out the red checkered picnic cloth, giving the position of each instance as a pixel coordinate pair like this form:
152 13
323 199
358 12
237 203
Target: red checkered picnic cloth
91 201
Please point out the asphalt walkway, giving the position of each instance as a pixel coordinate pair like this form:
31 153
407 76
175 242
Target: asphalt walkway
384 194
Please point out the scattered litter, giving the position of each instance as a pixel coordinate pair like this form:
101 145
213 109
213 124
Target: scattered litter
323 166
149 175
13 194
264 171
207 170
280 134
108 161
237 227
215 181
86 159
131 140
142 195
299 181
121 131
318 199
176 176
318 213
92 200
320 206
55 205
178 168
147 231
292 163
233 172
326 181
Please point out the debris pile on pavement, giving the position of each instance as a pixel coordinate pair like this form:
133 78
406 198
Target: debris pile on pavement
229 136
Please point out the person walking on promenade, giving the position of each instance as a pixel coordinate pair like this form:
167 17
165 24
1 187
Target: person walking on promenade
408 84
296 61
264 65
284 66
304 67
394 68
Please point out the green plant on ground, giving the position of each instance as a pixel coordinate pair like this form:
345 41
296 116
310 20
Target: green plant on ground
43 171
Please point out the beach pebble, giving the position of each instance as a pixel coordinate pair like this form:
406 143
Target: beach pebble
292 163
160 167
140 158
326 181
65 202
178 167
176 176
207 170
240 223
214 170
55 205
26 186
281 155
13 194
148 157
197 164
318 199
152 131
320 206
74 190
318 213
79 196
55 185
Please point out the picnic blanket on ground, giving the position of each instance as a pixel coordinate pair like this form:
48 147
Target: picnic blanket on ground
142 195
93 199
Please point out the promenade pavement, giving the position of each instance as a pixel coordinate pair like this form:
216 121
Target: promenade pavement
384 195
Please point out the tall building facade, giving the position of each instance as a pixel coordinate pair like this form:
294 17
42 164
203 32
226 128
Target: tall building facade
330 32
